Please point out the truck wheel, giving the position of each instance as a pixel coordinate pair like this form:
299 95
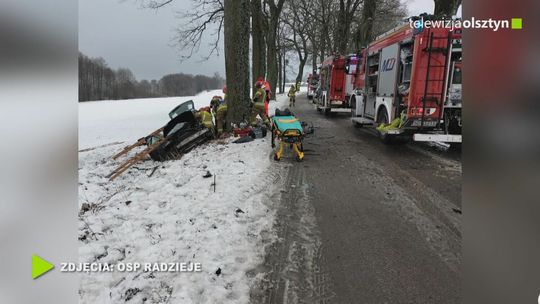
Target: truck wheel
382 118
357 124
327 112
451 125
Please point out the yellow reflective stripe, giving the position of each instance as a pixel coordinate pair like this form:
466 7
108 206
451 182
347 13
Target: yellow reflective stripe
287 120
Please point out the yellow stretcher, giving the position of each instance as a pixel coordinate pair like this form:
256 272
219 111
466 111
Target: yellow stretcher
289 131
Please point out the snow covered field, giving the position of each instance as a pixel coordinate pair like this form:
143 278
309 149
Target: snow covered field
174 215
103 122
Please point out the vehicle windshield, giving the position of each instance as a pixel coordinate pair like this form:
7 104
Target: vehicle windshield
184 107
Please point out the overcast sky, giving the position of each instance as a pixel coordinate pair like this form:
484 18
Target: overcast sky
126 35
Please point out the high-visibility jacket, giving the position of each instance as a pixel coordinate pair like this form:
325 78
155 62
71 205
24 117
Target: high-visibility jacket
259 96
292 92
205 118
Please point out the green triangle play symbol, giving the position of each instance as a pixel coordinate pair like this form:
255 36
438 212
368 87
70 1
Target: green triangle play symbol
40 266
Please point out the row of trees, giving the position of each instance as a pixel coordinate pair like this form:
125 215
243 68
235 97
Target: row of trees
281 31
97 81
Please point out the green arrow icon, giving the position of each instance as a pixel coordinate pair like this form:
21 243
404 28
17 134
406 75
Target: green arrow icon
40 266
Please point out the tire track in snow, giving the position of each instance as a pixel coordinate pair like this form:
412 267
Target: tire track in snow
293 271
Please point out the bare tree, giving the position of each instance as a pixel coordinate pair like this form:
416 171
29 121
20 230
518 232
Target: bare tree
283 46
446 8
296 32
258 48
204 16
347 9
364 33
274 11
237 59
98 82
377 17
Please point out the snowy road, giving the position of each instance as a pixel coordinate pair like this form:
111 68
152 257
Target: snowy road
361 222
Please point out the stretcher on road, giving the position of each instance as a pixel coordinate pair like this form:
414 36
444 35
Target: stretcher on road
289 131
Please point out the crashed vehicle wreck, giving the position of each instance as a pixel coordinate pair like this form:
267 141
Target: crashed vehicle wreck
186 129
182 133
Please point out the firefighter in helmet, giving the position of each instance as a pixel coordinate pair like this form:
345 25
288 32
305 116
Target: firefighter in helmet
292 95
259 99
215 102
221 115
218 106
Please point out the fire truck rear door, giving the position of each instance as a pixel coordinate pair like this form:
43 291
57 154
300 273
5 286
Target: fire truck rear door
386 87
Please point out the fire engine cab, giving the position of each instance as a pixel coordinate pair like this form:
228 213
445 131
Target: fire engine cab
413 75
332 85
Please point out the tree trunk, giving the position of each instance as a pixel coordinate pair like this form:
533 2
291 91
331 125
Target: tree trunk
236 39
271 63
342 30
302 57
258 43
365 33
446 8
323 35
284 80
301 70
280 68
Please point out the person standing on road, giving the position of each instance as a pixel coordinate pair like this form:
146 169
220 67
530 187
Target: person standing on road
292 96
258 106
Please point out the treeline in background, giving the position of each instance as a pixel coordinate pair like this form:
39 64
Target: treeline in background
97 81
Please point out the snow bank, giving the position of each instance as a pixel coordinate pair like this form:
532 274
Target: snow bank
174 215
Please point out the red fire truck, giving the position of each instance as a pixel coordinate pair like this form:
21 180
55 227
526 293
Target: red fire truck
351 69
332 84
312 83
415 76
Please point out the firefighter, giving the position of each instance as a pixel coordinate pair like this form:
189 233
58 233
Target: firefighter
268 90
225 92
204 116
292 97
257 108
221 115
215 102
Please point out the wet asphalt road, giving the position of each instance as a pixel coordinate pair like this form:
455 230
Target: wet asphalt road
361 222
